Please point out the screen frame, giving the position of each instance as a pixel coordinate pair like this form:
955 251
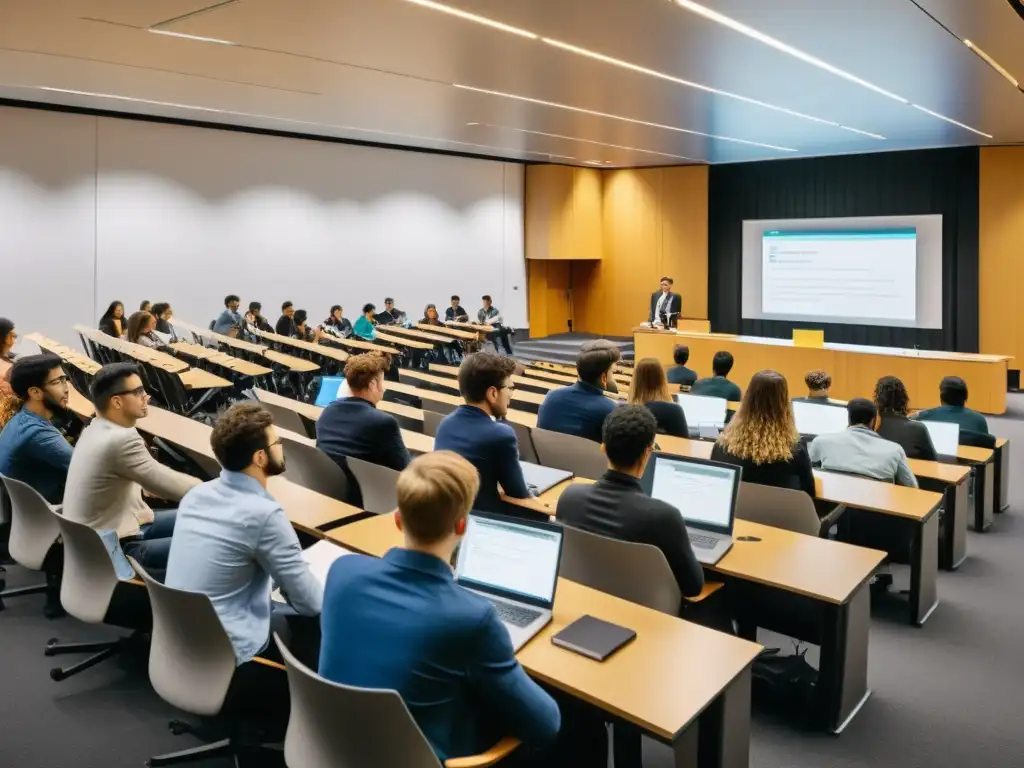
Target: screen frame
805 403
647 483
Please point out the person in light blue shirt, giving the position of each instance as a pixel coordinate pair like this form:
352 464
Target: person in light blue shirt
32 450
230 317
232 537
365 325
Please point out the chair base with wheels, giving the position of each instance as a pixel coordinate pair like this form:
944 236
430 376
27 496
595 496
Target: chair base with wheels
239 744
101 651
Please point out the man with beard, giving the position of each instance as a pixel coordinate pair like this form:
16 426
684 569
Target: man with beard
32 449
232 537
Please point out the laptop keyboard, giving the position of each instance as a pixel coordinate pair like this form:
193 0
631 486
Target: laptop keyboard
704 542
515 615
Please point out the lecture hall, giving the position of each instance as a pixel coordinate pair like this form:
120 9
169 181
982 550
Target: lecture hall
459 383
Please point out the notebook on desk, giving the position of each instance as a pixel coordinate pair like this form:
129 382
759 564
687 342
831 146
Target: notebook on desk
319 557
542 479
594 638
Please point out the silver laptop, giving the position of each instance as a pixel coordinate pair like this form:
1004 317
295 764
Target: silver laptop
542 479
819 419
705 493
705 416
945 437
513 563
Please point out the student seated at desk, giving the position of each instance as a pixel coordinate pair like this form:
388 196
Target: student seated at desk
953 396
818 383
255 318
402 623
616 506
141 330
8 337
112 322
718 385
365 325
472 432
229 321
762 437
111 466
32 450
862 451
679 373
390 315
337 324
580 409
163 313
232 536
286 323
9 402
145 306
490 315
650 388
455 313
893 404
302 331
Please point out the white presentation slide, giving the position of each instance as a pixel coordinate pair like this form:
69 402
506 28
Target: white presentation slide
857 274
701 492
819 419
512 557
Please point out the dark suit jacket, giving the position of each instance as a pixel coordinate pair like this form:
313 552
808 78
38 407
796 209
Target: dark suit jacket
285 326
911 435
680 374
401 622
616 506
795 473
454 313
491 447
577 410
673 306
107 326
670 417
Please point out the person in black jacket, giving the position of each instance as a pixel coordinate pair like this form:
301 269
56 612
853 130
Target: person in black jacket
286 323
650 389
354 427
762 437
679 373
616 506
113 321
456 312
893 404
255 318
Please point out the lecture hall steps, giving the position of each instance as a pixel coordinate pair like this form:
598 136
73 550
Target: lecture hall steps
563 347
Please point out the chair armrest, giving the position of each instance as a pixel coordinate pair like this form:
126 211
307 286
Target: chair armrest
710 587
268 663
498 752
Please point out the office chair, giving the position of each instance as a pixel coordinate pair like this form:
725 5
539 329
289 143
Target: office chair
33 534
377 485
780 508
334 725
285 418
527 451
431 421
311 468
574 454
436 406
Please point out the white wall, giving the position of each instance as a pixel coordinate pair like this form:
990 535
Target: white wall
105 209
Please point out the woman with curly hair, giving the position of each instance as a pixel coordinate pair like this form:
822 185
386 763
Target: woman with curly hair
762 437
893 404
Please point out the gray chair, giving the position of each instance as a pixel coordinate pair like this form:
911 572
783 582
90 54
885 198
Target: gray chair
311 468
778 507
285 418
578 455
431 421
437 406
340 726
191 665
638 573
526 450
33 534
377 485
208 465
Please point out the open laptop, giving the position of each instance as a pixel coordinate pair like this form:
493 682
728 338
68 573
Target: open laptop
945 437
819 419
330 386
513 563
542 479
705 416
705 493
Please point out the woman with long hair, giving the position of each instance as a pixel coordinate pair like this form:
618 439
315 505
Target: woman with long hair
336 323
9 402
112 322
7 339
302 329
893 403
762 437
141 327
650 389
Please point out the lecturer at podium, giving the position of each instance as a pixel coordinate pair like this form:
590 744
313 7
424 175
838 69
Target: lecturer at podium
665 305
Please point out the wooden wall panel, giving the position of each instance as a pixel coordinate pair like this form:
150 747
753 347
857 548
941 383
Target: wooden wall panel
563 212
548 296
1001 252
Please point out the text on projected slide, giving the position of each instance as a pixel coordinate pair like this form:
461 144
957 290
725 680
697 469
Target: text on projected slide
857 274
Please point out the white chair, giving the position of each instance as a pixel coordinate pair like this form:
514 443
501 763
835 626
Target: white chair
33 534
431 421
525 439
578 455
339 726
778 507
377 485
311 468
285 418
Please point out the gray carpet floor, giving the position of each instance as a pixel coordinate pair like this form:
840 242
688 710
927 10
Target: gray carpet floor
946 695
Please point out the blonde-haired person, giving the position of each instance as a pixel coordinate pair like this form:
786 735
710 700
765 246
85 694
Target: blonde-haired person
762 437
650 388
401 622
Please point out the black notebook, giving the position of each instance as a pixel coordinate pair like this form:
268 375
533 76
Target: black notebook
593 638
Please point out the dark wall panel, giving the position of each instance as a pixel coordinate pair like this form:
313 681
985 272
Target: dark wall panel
940 181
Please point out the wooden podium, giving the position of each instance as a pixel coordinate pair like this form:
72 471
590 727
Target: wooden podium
691 325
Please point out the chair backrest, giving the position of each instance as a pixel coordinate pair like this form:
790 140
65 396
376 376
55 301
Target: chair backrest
210 466
191 660
778 507
574 454
635 572
431 421
437 406
286 418
311 468
977 439
89 577
33 528
339 726
377 485
527 452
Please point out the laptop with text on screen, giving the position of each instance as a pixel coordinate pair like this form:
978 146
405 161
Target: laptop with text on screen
513 563
819 419
705 416
945 437
705 493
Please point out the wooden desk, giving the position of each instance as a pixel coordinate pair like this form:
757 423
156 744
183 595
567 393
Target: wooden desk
233 364
438 338
353 342
855 369
480 328
67 354
951 480
454 333
326 350
519 396
526 418
399 341
983 461
662 682
1001 483
290 362
136 351
197 378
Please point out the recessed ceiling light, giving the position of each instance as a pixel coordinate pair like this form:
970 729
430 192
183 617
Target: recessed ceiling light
200 38
587 141
992 63
473 17
610 116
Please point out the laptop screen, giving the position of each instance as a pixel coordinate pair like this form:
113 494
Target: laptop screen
704 492
516 558
945 436
329 388
819 419
701 410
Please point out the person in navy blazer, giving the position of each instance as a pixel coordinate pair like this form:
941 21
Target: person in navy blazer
665 305
581 409
401 622
471 430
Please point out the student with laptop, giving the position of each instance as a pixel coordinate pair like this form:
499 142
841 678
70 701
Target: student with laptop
953 396
402 622
763 440
679 373
230 318
650 388
718 385
860 450
818 384
580 409
893 404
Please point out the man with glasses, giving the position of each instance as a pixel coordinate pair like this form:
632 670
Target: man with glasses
474 432
32 450
111 468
